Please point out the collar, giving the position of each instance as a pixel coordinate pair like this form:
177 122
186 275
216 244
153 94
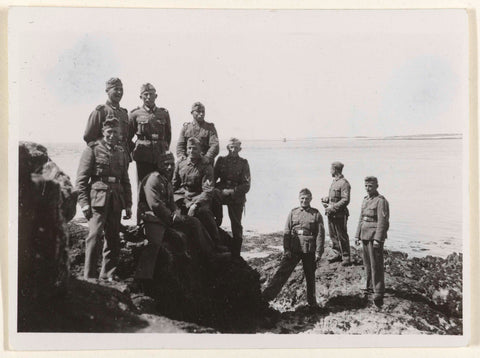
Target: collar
195 122
108 146
111 104
150 110
340 177
190 161
305 209
375 194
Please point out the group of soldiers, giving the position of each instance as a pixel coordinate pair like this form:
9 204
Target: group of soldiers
189 196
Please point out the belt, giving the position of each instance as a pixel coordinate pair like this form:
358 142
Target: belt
108 180
369 219
305 232
153 138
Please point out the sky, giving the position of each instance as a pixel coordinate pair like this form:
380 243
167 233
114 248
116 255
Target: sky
261 74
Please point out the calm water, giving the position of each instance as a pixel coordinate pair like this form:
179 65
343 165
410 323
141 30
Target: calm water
421 179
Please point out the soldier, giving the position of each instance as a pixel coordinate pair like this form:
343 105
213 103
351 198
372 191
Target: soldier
103 191
152 127
158 211
193 185
303 237
337 212
110 109
232 182
372 231
205 132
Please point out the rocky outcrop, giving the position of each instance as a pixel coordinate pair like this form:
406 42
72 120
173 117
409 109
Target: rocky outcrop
46 202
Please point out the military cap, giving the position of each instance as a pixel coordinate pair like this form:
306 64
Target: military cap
194 141
147 87
110 122
166 157
235 142
338 166
371 179
197 106
305 191
112 83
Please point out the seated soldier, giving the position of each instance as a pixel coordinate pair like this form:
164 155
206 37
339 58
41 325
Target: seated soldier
193 185
157 210
232 182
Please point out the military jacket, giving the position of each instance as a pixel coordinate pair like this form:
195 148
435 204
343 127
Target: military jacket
194 180
304 231
103 176
93 131
233 173
153 130
207 135
156 195
374 218
339 197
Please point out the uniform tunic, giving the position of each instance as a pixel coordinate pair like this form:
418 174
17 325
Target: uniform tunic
104 186
303 237
231 172
372 229
339 198
205 132
153 130
93 131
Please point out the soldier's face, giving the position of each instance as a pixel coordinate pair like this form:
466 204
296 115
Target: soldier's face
110 135
115 94
370 187
333 170
305 200
167 169
148 98
233 149
198 114
193 151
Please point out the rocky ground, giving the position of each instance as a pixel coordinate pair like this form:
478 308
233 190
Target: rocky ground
189 294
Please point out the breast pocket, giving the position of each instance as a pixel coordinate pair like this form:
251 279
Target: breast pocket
102 165
98 194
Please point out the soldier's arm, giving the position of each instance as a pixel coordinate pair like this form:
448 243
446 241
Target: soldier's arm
176 180
244 181
127 188
132 130
207 186
320 235
287 234
182 145
344 197
153 195
168 130
359 226
84 172
383 216
216 170
213 147
93 130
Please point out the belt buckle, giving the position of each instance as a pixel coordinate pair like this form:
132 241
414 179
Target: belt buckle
300 232
112 179
155 136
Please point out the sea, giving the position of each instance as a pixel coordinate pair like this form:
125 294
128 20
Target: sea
421 177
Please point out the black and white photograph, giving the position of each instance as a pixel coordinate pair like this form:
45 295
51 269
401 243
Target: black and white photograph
281 178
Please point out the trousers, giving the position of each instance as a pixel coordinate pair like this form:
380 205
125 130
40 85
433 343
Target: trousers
287 265
339 235
373 262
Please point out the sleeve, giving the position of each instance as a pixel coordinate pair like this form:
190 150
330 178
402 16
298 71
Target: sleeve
344 197
213 146
127 188
168 130
287 234
132 130
207 186
176 180
244 183
321 234
84 172
383 217
359 226
153 195
182 145
216 170
93 131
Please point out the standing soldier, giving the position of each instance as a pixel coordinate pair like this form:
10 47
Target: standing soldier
372 231
205 132
158 211
232 182
303 237
103 191
152 127
337 212
193 185
110 109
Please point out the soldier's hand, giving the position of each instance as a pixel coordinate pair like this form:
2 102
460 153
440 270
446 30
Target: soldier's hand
324 200
376 244
87 213
287 254
357 241
192 209
128 213
227 192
